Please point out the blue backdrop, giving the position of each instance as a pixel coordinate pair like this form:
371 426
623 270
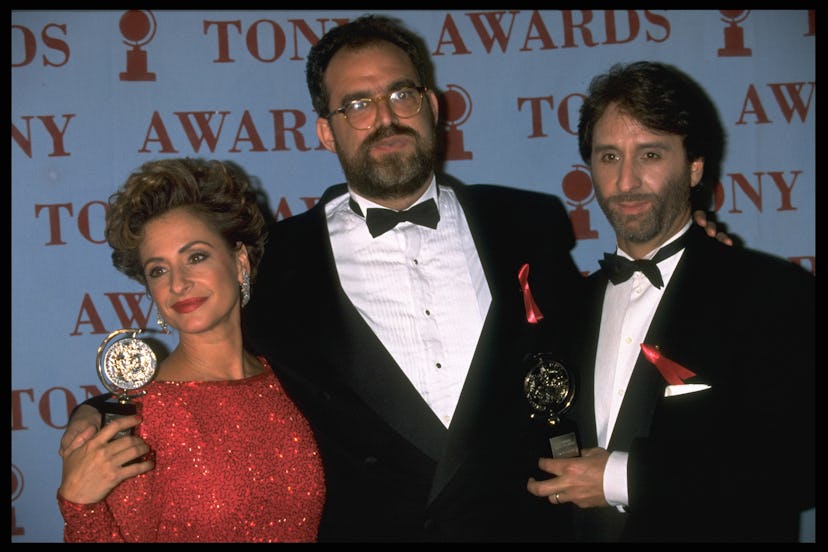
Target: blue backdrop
97 93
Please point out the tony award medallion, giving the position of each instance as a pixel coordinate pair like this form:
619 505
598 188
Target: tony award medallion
125 366
550 391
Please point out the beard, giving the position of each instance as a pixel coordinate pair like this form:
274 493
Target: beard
393 176
644 227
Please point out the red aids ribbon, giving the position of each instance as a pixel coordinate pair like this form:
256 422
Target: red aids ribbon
673 372
533 313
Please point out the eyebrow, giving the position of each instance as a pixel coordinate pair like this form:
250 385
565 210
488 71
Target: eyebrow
187 246
394 86
660 145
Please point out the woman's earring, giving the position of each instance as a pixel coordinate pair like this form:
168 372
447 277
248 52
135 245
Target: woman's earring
160 319
245 288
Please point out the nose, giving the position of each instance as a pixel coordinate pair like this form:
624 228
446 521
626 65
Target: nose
385 115
179 281
628 178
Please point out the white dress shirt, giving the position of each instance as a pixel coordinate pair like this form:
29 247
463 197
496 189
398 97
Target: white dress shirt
628 309
421 290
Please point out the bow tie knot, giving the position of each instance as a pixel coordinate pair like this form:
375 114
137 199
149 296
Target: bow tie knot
381 220
620 269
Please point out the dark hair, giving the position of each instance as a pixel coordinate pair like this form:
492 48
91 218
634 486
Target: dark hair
663 99
218 193
359 33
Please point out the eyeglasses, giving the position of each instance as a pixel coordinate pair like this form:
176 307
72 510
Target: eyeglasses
361 114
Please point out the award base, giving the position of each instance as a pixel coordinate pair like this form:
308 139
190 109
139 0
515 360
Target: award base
114 409
553 440
564 442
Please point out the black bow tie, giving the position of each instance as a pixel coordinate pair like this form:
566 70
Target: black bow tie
380 221
620 269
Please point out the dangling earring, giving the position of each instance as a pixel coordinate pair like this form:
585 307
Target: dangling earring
245 288
160 319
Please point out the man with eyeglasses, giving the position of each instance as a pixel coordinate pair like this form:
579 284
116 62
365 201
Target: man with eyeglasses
395 310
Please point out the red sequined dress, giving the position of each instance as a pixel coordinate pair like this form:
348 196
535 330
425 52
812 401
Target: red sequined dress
235 461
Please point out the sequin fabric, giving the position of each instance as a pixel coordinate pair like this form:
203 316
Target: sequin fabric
235 461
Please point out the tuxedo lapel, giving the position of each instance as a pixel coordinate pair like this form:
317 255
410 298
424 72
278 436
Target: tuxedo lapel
487 378
585 397
471 406
373 374
640 399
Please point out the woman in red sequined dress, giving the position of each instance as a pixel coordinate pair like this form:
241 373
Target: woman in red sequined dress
225 454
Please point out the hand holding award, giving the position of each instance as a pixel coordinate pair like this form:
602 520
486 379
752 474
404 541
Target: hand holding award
550 391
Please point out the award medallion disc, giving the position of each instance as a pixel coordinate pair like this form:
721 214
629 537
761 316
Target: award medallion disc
125 366
550 390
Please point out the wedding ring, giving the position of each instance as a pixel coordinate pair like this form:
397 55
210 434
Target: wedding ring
557 498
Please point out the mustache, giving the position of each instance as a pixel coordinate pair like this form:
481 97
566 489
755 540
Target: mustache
620 198
387 132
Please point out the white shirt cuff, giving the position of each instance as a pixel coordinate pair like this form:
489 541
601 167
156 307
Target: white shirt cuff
615 480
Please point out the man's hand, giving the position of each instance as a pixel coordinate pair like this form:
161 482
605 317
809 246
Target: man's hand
93 469
700 217
84 423
579 480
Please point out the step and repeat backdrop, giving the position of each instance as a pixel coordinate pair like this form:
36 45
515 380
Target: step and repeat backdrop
97 93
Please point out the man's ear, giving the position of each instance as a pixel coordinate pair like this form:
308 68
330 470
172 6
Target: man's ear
431 96
325 134
696 171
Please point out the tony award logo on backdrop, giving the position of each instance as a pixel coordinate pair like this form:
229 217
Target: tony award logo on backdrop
17 490
734 37
455 107
577 186
138 28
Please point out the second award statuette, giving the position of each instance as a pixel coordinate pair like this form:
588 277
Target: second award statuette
550 391
125 366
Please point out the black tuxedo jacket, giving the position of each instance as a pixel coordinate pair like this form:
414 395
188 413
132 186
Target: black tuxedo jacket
393 471
734 462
